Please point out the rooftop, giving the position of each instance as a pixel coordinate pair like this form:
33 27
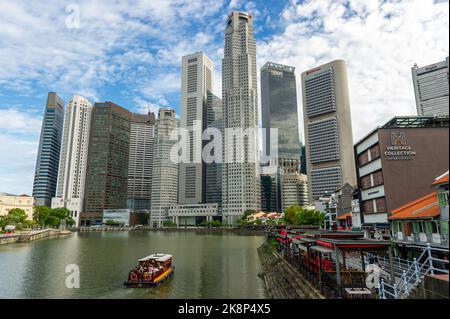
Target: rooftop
423 208
443 179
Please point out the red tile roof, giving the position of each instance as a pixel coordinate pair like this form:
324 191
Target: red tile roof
344 216
441 179
422 208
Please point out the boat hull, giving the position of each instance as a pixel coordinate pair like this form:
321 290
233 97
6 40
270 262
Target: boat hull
147 284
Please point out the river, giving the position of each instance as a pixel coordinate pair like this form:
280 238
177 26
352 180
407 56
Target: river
207 265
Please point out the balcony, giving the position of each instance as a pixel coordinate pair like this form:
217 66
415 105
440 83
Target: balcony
434 239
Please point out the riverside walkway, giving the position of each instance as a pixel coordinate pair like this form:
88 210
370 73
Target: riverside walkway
28 236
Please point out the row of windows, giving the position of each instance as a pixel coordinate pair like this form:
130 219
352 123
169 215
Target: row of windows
323 141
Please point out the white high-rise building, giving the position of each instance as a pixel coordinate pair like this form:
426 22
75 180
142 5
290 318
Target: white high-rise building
196 83
328 129
73 158
431 88
240 173
294 190
140 161
165 171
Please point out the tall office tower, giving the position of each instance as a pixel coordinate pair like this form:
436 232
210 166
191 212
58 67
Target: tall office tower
212 182
294 190
107 168
328 127
303 169
140 161
73 159
431 86
196 82
47 162
240 172
279 111
165 171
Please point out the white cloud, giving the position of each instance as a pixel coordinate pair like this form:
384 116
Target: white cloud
14 122
379 40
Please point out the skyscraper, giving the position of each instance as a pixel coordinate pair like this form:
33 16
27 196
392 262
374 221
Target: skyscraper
165 171
294 190
73 159
140 160
431 88
328 128
279 111
196 82
107 168
47 162
212 181
240 173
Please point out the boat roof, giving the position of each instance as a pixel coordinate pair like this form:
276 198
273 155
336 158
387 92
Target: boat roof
157 257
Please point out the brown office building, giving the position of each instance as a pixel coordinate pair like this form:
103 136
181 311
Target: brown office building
396 163
107 168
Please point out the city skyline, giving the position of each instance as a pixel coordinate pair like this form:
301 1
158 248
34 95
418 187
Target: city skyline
19 125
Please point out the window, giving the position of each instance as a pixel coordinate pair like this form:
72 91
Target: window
381 204
443 199
374 152
368 206
377 178
365 182
363 158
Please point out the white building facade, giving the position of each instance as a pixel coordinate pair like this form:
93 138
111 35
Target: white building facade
431 88
240 173
140 161
196 82
165 171
73 158
328 129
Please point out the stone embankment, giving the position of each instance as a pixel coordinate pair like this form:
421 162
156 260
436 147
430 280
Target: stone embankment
32 236
281 280
173 229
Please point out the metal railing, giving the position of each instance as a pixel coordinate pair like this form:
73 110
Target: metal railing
413 275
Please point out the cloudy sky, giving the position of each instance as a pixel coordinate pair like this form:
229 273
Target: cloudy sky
129 52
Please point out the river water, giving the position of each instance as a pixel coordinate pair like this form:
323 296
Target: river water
214 265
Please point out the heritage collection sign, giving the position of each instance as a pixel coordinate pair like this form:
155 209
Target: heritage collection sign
399 150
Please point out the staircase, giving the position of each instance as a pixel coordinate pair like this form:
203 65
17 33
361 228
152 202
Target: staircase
408 276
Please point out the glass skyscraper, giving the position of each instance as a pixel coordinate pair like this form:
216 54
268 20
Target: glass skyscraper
47 163
279 110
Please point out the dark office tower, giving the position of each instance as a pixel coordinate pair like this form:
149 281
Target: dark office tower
47 163
269 193
107 170
212 184
140 163
279 110
303 160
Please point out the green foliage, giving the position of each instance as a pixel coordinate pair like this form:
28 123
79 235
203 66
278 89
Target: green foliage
169 223
247 213
216 223
16 217
46 216
296 215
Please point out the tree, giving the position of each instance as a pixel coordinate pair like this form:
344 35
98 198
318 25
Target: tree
41 214
16 217
297 215
46 216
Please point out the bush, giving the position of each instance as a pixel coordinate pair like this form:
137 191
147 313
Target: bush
169 223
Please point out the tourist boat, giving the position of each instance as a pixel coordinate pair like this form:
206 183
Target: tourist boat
151 271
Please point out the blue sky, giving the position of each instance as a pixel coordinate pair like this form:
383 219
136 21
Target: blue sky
129 52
